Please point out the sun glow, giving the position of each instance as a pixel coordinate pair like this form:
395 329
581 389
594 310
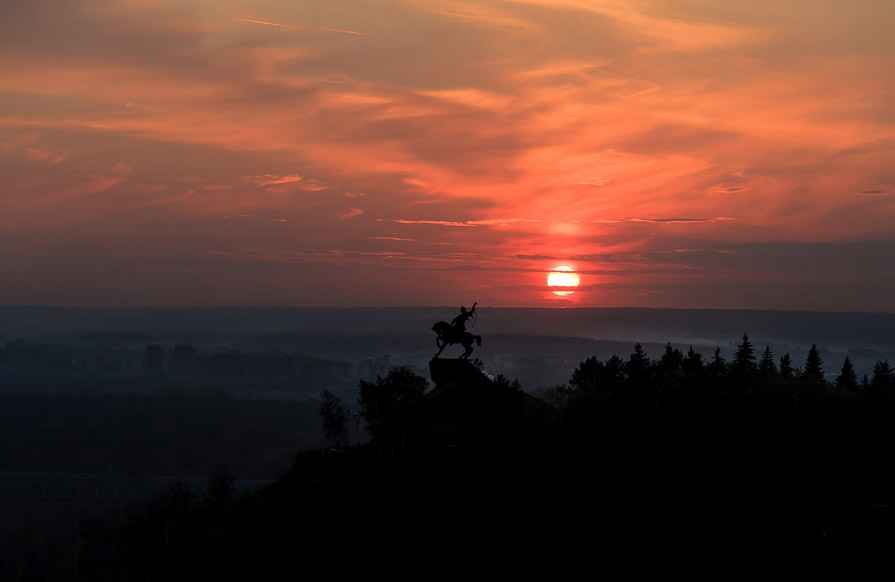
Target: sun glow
563 281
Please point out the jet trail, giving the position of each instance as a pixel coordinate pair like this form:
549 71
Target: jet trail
301 27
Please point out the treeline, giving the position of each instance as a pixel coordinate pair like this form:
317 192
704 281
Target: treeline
749 384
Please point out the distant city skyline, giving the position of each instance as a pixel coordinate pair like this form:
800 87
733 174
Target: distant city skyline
439 152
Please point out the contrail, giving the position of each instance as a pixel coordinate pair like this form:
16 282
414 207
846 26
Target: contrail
301 27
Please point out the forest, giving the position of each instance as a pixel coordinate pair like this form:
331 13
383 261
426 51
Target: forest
637 467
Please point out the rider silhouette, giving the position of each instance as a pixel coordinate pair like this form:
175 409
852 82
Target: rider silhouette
459 322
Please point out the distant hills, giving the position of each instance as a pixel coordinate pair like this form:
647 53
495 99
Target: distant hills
275 325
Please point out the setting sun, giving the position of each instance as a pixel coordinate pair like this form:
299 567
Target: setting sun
563 280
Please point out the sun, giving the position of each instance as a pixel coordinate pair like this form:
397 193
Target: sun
563 280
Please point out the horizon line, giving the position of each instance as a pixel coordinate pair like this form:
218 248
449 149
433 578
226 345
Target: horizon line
334 307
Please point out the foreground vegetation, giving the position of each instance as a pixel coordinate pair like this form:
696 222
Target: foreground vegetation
639 467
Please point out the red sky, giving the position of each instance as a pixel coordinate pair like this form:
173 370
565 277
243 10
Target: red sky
677 153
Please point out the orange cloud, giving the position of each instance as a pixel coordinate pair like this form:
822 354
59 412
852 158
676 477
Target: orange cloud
596 127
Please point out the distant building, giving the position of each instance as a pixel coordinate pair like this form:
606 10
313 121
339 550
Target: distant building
182 361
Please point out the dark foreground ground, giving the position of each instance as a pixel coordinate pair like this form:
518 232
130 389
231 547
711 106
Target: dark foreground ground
646 509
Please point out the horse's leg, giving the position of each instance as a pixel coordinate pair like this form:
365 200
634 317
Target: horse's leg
441 345
478 340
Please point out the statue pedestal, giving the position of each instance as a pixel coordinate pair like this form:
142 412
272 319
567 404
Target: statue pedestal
449 373
469 404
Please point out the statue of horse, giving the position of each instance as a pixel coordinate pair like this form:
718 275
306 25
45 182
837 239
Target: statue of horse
448 334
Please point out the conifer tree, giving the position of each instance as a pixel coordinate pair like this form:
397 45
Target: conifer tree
586 376
692 363
744 356
639 374
786 369
614 373
883 376
847 378
743 368
672 359
717 366
593 376
813 364
638 365
766 366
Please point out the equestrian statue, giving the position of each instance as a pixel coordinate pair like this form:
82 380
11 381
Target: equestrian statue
455 332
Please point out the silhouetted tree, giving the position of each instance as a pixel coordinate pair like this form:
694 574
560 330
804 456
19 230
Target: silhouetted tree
334 417
669 377
813 365
847 378
586 377
744 355
596 378
391 407
671 359
502 403
638 374
742 368
786 369
766 366
717 366
638 363
692 364
883 376
614 375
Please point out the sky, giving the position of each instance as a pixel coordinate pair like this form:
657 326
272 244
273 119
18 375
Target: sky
675 153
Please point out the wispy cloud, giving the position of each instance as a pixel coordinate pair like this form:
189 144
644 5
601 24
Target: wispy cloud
270 179
295 27
351 213
469 223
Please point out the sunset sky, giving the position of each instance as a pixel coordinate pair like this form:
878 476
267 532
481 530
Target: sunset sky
675 153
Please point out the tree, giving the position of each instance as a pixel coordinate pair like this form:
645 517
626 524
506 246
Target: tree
692 364
717 366
392 407
614 375
813 365
743 368
786 369
847 378
671 360
638 365
883 376
766 366
744 356
334 418
595 377
586 377
639 376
